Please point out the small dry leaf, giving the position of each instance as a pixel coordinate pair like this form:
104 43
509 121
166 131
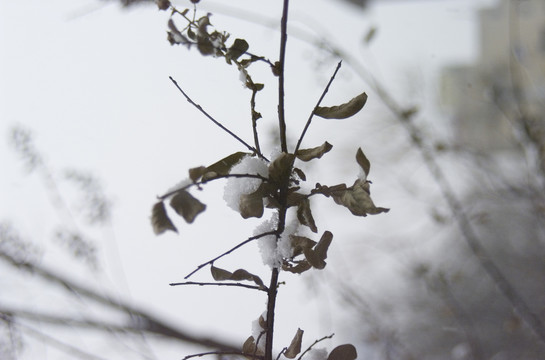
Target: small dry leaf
251 205
342 111
343 352
304 215
223 166
363 161
295 346
186 206
239 47
160 220
280 168
314 153
357 199
196 173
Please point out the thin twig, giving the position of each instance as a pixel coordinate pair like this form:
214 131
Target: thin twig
281 352
255 117
317 104
202 182
222 353
281 61
314 343
254 287
214 120
230 251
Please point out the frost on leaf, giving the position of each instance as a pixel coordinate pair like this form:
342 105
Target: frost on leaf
295 346
314 153
343 352
342 111
186 206
160 220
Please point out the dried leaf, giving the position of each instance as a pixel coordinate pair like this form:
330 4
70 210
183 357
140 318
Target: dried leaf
239 275
250 347
220 274
251 205
300 173
300 268
196 173
298 243
223 166
363 161
280 168
342 111
160 220
323 245
357 199
295 346
343 352
304 215
314 153
239 47
175 36
186 206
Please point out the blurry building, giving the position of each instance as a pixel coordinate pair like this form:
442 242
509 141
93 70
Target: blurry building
506 82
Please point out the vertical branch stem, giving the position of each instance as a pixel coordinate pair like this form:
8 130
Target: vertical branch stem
281 62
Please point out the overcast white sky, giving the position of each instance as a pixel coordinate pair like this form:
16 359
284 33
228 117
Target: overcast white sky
91 83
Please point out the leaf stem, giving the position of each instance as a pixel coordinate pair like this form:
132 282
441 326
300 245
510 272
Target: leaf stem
317 104
223 353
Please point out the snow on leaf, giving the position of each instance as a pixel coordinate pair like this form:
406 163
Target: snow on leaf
236 187
343 352
186 206
295 345
314 153
160 220
342 111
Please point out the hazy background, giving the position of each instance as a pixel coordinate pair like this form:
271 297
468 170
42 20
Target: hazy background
89 81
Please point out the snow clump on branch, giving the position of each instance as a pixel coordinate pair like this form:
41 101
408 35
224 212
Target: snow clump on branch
235 187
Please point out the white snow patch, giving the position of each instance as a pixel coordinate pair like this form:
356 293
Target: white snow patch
273 252
235 187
